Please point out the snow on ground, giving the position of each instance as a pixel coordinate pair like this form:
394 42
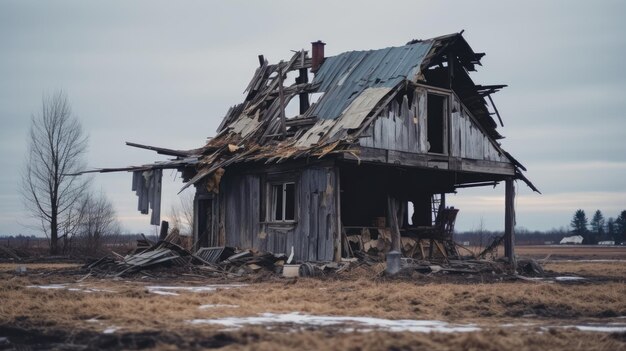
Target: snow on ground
76 287
159 290
348 323
174 290
298 320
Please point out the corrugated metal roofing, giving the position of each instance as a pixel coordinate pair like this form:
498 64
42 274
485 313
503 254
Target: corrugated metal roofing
345 76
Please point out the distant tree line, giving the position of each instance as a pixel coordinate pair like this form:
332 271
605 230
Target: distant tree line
523 236
599 229
594 231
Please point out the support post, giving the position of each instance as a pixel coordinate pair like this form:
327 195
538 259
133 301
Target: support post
442 203
392 210
393 256
509 221
164 227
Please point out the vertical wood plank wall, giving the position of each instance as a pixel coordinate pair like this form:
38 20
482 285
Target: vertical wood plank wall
404 127
467 139
312 235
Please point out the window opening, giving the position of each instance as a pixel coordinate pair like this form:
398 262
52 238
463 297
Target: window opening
283 206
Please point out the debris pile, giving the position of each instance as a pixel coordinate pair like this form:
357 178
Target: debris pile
167 253
366 250
373 243
455 266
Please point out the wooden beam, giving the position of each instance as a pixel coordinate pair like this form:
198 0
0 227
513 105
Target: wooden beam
164 228
300 122
485 166
392 210
509 221
281 96
164 151
441 162
495 109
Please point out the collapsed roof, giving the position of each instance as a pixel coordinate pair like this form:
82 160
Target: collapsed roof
356 86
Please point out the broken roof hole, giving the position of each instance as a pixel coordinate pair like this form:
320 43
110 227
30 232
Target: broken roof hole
315 97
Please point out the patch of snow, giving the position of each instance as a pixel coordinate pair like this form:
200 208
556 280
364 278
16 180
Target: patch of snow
167 290
66 286
202 307
159 292
564 279
51 286
111 330
350 323
599 328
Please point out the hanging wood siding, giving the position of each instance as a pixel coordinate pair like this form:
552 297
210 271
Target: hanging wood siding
404 127
312 235
240 210
467 139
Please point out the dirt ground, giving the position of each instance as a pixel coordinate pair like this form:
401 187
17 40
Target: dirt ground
53 306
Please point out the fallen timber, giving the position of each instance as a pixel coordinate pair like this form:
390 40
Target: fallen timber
167 255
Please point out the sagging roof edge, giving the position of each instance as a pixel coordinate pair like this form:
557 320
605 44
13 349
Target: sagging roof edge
208 158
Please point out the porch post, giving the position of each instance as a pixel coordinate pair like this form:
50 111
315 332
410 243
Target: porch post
509 221
196 217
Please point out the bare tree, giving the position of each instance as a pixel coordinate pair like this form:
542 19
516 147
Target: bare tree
97 223
181 215
56 149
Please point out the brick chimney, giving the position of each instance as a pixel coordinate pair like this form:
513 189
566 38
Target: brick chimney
317 52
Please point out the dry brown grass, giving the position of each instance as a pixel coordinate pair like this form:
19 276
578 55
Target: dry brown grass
570 251
135 310
615 270
131 306
495 340
11 267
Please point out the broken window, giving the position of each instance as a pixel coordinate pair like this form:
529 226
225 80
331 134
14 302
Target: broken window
437 112
283 202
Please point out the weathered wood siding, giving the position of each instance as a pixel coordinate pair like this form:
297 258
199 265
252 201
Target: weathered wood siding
404 127
467 139
312 235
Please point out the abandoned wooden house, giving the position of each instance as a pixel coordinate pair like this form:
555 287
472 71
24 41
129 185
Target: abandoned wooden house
374 136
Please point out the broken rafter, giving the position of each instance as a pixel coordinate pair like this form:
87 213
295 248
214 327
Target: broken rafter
495 109
165 165
472 185
164 151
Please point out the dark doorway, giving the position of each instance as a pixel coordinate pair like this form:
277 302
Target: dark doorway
206 222
436 114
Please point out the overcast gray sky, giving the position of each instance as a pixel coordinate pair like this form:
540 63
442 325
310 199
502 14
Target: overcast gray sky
164 73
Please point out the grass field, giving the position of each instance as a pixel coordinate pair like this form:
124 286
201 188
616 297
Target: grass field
52 305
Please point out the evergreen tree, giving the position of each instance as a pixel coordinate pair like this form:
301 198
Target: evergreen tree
579 226
620 227
611 232
597 225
